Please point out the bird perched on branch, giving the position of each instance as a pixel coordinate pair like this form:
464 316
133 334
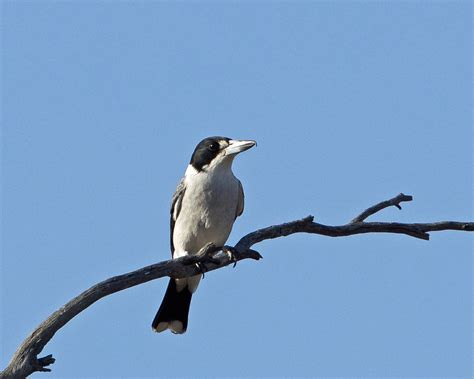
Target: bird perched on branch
204 207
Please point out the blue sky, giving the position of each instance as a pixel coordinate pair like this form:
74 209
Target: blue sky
350 102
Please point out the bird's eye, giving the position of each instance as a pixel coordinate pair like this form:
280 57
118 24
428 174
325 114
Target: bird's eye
213 147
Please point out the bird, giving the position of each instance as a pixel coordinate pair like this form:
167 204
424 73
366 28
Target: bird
207 201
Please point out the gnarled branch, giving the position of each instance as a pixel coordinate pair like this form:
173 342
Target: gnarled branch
25 361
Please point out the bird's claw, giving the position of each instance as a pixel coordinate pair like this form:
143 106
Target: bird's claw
202 264
231 253
201 269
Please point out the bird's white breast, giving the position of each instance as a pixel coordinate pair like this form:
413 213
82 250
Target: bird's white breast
208 210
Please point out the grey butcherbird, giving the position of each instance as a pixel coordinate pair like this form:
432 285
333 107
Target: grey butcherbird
204 207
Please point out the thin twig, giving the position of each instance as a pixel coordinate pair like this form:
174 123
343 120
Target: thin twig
25 361
382 205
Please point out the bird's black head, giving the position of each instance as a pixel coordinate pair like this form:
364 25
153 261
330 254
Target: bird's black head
207 150
217 150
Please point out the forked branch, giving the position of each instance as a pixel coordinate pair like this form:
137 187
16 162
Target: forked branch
25 361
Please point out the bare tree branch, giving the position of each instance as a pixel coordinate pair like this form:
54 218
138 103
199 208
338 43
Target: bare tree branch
25 361
395 201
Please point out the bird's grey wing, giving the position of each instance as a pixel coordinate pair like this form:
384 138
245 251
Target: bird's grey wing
175 209
240 203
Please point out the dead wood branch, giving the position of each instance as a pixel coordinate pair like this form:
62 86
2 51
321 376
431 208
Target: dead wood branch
25 361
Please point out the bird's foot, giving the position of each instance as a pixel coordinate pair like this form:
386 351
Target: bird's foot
202 269
231 253
202 265
205 257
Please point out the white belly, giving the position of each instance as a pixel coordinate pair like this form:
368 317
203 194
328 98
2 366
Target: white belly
208 211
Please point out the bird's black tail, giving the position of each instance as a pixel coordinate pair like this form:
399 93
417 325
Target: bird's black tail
173 312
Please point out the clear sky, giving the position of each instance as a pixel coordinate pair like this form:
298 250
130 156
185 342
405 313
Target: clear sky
351 103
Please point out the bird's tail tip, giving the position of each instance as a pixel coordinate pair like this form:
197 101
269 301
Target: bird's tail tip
175 326
173 312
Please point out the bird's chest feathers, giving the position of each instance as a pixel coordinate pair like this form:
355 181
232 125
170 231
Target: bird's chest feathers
208 211
213 196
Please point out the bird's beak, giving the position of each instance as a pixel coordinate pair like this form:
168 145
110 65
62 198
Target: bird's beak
236 146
